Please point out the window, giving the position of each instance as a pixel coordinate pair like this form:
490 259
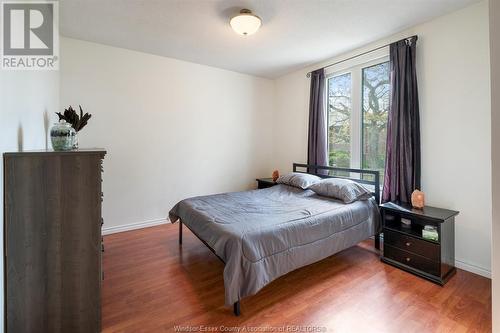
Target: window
358 106
339 120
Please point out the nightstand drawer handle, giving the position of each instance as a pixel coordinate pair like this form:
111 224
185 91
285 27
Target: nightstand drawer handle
408 243
408 259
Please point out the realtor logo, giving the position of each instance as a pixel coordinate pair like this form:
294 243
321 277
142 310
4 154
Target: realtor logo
30 35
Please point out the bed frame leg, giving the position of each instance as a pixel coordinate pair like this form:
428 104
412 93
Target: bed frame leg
377 241
180 232
237 310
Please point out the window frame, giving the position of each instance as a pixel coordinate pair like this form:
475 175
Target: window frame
355 68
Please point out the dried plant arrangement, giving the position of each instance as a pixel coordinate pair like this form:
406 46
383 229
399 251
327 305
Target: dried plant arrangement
71 116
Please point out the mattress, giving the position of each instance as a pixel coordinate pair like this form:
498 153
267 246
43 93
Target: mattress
264 234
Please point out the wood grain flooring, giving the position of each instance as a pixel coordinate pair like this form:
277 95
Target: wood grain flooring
153 285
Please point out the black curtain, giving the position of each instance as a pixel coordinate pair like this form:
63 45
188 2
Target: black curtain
317 148
402 167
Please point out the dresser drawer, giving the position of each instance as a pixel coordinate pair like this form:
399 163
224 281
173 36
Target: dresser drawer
417 246
412 260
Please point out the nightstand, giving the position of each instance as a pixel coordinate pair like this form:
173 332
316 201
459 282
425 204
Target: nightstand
405 248
265 182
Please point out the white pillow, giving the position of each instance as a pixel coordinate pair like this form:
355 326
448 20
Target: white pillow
342 189
298 179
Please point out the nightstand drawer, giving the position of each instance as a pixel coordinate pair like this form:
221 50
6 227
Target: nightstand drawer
412 260
407 243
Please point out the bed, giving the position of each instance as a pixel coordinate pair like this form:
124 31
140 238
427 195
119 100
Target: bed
263 234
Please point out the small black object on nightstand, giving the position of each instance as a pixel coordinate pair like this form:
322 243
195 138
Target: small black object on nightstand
265 182
406 248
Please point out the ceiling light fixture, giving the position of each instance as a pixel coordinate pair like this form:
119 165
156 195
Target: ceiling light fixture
245 23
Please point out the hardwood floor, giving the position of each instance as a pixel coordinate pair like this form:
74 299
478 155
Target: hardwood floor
151 285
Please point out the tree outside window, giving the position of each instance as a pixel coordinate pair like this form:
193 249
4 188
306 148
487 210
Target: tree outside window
372 111
339 121
376 90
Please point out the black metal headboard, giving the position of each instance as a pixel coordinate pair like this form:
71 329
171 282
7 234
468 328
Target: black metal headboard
315 170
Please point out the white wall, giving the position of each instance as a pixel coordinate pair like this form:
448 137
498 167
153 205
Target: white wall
172 129
495 154
28 101
453 74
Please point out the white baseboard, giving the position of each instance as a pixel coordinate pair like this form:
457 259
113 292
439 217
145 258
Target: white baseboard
133 226
473 269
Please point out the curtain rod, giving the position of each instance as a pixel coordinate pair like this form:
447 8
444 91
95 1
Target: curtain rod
362 54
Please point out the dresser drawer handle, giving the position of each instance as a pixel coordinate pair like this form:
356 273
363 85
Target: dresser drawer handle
408 259
408 243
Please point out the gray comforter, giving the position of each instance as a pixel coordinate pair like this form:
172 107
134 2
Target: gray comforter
264 234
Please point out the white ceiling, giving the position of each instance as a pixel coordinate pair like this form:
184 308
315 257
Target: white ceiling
294 33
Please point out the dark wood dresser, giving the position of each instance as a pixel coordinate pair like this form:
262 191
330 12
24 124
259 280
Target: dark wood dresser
52 241
405 248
